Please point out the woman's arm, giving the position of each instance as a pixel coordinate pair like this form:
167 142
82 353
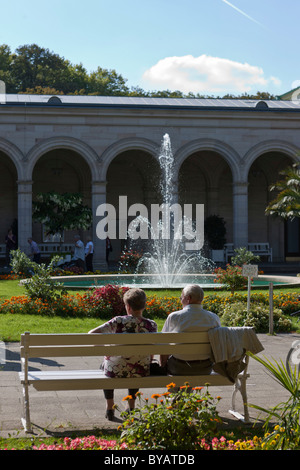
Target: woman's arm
96 330
107 327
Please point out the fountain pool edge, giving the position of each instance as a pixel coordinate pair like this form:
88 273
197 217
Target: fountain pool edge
98 280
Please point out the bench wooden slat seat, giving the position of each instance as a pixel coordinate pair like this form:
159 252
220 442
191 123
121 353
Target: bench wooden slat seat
72 345
95 379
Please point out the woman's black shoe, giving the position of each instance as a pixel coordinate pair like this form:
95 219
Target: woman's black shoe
110 414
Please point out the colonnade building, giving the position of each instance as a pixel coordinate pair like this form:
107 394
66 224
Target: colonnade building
227 154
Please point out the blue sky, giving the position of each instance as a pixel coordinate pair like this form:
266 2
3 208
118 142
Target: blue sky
204 46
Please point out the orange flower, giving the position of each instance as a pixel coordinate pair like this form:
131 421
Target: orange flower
171 385
128 397
155 396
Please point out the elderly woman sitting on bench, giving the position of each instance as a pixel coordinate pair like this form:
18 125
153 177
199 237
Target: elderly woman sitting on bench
135 366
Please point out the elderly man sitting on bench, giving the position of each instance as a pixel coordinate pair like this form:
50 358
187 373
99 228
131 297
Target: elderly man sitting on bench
191 318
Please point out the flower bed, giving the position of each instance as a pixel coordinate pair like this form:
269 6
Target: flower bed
216 443
106 302
94 443
287 302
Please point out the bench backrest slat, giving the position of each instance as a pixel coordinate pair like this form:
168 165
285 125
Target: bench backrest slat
124 338
113 344
119 350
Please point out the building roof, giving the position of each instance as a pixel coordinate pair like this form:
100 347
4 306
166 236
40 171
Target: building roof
140 102
290 95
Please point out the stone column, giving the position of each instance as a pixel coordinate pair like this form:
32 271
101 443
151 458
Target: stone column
98 198
240 214
24 214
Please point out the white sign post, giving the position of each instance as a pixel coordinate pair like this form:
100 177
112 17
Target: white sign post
2 354
249 271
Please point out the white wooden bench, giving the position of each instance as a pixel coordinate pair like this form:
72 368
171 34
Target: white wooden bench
76 345
261 249
55 248
229 251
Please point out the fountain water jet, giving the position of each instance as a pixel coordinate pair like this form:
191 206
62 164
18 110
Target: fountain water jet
166 257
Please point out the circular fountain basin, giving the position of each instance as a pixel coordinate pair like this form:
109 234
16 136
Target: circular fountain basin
152 281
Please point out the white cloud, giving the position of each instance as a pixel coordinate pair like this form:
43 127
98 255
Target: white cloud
206 74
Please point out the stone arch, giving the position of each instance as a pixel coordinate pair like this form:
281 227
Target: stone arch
10 174
14 154
123 145
268 146
263 164
61 164
224 150
70 143
207 170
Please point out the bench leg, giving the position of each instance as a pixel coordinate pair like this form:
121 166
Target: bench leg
26 417
240 386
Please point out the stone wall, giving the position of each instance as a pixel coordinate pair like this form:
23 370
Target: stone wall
225 159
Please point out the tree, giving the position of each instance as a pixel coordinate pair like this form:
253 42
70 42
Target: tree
243 256
107 82
6 76
59 212
32 68
287 202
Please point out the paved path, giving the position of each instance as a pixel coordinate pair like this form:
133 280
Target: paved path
59 412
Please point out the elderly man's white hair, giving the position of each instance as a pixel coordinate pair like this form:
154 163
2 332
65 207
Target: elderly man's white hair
194 291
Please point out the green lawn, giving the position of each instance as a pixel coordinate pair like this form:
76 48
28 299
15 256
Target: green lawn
12 326
11 288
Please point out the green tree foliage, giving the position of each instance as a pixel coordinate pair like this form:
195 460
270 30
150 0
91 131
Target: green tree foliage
59 212
32 69
243 256
287 202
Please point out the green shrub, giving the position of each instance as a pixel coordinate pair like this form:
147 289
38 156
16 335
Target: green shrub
41 285
231 278
179 419
258 317
21 265
129 260
243 256
286 433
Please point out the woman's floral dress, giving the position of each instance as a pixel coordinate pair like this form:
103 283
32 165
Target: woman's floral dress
134 366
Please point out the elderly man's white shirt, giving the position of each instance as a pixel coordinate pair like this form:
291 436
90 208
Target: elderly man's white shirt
191 318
